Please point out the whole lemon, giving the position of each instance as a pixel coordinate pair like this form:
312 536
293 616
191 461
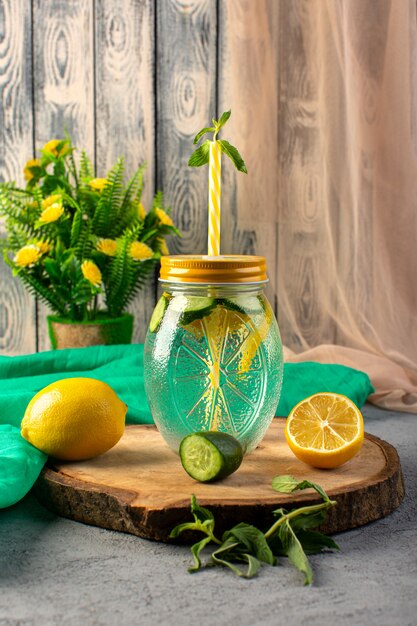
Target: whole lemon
74 419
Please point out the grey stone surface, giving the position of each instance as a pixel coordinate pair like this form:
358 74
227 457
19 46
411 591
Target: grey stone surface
55 571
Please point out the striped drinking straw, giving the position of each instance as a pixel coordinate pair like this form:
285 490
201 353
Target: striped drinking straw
214 199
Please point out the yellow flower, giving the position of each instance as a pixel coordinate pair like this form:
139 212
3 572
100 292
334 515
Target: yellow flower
26 170
107 246
51 214
98 184
163 217
140 251
51 147
163 248
91 273
55 199
44 246
27 256
141 211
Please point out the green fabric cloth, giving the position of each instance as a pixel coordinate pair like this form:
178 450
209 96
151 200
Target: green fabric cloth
20 465
122 368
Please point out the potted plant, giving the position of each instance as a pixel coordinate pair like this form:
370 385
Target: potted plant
83 245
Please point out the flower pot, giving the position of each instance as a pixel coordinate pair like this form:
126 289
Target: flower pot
65 333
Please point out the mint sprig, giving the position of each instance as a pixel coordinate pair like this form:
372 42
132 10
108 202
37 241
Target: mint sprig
244 548
201 155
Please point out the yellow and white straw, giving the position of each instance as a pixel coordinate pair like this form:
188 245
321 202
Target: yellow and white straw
214 199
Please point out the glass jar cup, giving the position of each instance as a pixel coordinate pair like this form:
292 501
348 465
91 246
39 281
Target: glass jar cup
213 352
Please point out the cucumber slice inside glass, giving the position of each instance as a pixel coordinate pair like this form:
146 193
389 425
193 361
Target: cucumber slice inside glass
241 304
192 307
158 314
210 455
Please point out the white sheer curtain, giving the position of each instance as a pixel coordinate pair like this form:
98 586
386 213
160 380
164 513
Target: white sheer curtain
363 57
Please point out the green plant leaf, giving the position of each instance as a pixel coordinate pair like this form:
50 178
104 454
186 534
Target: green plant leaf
288 484
86 167
201 156
294 551
233 154
309 520
200 513
253 540
285 483
52 269
230 552
180 528
195 551
314 542
203 131
223 119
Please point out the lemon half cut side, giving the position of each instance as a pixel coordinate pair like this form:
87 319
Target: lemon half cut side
325 430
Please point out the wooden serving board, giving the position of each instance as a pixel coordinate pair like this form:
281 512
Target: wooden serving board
140 486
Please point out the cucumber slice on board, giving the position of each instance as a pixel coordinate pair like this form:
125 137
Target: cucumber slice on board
158 313
210 455
192 307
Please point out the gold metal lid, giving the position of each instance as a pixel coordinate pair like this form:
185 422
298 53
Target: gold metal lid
224 269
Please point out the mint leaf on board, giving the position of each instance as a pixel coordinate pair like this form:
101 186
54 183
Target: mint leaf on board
294 551
201 156
233 154
284 483
288 484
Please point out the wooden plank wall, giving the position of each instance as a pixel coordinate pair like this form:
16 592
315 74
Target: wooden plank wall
139 78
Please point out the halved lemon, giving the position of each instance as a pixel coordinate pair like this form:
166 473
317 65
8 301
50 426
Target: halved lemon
325 430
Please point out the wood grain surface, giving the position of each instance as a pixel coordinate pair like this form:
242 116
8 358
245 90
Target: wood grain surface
124 107
64 85
18 331
186 102
140 487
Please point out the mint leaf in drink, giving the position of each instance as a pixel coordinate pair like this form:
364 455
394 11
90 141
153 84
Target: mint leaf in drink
223 119
201 156
294 551
203 131
288 484
234 155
